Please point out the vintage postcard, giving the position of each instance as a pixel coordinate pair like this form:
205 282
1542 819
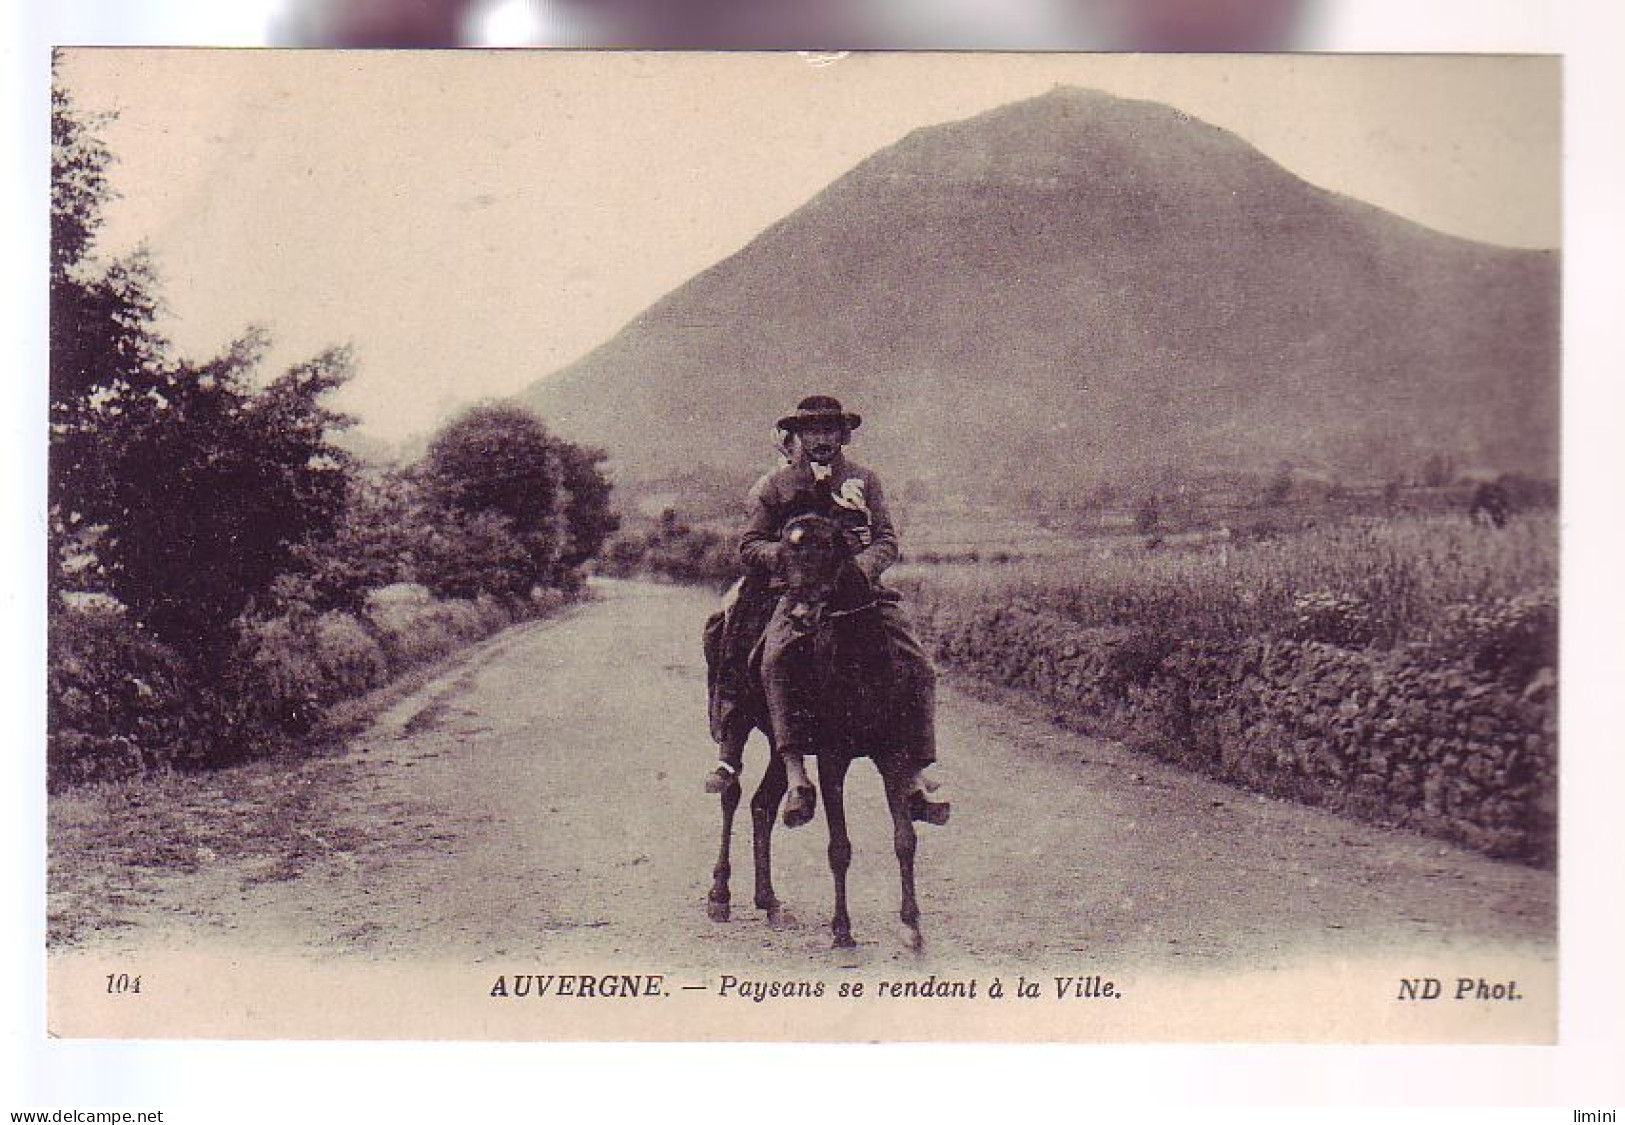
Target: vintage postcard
1125 487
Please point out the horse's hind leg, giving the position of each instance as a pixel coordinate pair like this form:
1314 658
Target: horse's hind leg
716 903
832 780
905 841
764 808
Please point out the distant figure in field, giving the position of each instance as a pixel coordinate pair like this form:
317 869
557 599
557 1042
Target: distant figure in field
1490 505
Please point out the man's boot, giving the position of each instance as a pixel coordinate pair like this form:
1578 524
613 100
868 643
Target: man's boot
801 800
926 800
722 777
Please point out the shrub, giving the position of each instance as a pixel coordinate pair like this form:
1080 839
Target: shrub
277 675
373 544
466 555
546 599
623 556
288 670
350 659
674 550
122 704
413 631
119 703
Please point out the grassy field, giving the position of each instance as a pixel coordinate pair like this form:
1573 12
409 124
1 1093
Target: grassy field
1397 581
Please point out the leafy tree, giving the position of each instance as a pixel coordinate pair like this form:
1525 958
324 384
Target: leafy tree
104 346
209 489
188 486
499 459
79 184
588 517
105 357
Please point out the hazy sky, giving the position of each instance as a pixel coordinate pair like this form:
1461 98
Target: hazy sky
473 221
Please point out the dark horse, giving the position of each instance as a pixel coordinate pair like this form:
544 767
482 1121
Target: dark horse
846 696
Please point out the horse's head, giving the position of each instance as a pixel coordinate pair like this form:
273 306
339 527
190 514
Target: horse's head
815 550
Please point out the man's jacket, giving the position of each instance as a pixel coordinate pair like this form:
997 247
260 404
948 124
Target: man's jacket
851 495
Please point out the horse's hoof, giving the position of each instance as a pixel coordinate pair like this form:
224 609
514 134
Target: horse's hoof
780 917
716 911
913 940
800 806
927 809
843 940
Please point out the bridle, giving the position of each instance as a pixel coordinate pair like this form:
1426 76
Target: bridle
794 537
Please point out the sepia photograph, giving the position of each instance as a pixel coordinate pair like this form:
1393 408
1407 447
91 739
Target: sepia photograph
769 546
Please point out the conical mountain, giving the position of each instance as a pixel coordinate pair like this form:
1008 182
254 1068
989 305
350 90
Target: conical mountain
1081 288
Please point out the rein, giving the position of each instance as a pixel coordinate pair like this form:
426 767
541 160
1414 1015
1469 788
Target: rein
821 612
868 605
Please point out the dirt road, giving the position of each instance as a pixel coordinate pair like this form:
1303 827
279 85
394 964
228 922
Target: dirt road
541 798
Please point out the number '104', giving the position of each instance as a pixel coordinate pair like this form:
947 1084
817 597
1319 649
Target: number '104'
120 983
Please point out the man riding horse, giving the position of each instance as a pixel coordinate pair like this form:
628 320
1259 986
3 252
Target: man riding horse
763 634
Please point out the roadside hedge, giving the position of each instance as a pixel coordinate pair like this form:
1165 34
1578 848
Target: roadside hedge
118 703
1456 736
121 704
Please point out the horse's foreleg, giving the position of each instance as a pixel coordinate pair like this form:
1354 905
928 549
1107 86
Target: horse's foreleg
905 841
764 808
716 903
832 780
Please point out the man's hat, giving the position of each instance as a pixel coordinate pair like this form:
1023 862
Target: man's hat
819 408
